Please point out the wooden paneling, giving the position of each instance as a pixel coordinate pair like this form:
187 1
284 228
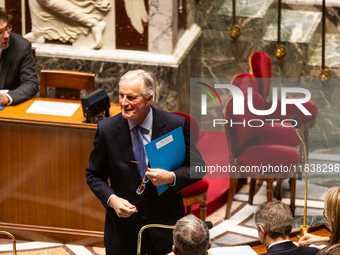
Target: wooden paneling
43 190
14 9
126 36
182 17
28 17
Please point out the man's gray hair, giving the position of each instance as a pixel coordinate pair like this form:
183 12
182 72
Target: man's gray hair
275 217
191 236
148 85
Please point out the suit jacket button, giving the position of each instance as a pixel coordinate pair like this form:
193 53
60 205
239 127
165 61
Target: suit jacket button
143 217
144 199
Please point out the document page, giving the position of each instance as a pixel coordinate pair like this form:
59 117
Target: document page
234 250
53 108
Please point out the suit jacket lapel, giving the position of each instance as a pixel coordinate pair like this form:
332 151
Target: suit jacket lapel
124 139
158 125
5 59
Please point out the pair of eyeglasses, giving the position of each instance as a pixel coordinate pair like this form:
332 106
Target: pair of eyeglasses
145 180
7 29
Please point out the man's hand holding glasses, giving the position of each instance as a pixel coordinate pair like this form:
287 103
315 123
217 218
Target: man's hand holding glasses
156 175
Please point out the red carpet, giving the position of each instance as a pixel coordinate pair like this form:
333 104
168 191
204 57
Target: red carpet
214 149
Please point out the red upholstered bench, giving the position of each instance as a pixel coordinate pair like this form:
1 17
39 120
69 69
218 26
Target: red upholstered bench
196 194
214 149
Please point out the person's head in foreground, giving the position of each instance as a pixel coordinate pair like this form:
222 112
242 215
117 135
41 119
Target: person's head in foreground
274 222
332 213
191 236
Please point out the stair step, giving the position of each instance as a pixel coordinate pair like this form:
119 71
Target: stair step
246 8
332 52
329 3
296 26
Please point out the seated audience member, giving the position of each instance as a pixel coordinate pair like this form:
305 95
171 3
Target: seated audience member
191 236
274 222
17 65
332 214
330 250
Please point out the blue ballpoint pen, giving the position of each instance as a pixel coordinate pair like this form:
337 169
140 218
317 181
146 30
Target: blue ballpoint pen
1 107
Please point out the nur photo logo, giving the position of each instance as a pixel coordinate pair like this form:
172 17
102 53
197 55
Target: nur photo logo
240 102
204 97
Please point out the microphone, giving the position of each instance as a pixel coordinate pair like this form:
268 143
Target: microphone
295 120
296 123
209 224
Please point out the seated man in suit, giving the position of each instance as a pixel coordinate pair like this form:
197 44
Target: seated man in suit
190 236
17 65
274 222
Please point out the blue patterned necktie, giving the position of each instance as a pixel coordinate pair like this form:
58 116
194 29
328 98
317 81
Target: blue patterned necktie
139 151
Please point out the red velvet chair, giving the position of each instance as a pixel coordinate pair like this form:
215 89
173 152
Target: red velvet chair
194 194
197 192
261 67
278 135
271 133
193 124
244 81
246 150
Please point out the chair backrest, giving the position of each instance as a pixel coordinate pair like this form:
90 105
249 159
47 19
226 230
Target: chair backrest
33 52
67 83
260 66
193 124
239 133
244 81
13 240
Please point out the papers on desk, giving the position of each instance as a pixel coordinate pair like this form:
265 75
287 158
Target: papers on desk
320 247
167 152
53 108
233 250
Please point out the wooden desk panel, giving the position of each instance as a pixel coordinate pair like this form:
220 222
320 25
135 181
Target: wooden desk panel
18 114
44 195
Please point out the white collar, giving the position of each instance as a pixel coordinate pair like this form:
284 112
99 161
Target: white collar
283 241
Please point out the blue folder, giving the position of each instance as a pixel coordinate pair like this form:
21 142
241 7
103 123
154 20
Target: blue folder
167 152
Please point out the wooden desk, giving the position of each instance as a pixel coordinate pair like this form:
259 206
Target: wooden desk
43 190
320 230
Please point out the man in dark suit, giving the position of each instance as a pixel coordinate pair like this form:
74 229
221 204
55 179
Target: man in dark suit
115 146
274 222
17 65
